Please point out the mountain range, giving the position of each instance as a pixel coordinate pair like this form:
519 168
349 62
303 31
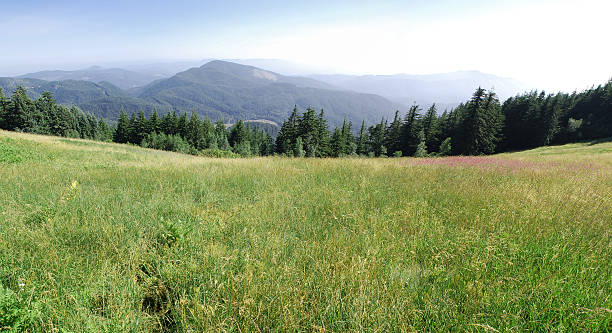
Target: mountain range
230 91
446 90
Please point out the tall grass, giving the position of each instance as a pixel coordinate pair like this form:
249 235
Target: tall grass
112 238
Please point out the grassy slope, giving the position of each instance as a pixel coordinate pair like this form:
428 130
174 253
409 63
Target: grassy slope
146 239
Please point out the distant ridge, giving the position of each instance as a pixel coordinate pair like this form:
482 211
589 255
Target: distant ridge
121 78
221 89
218 90
446 89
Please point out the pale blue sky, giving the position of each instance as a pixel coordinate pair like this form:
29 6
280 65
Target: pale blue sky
558 44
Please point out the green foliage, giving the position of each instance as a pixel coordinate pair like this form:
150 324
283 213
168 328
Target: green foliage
573 125
218 153
421 150
445 147
298 149
162 141
9 153
15 315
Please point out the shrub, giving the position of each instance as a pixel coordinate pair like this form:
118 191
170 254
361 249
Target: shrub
168 142
219 153
15 316
445 147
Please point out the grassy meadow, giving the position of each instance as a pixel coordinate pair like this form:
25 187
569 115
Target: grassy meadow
98 237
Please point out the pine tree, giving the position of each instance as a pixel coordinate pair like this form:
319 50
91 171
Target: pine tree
221 136
393 137
298 149
482 123
336 144
445 147
348 139
421 150
3 109
410 131
181 126
308 130
323 136
195 137
361 142
154 124
285 141
122 132
238 134
376 139
169 123
431 127
45 112
104 132
19 112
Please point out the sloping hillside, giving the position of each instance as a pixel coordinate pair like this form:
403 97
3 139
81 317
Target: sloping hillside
223 89
99 237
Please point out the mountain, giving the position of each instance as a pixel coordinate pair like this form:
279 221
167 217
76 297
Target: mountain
225 90
219 90
280 66
124 79
446 90
102 99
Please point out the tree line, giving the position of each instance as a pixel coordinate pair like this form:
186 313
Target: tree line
171 132
473 128
480 126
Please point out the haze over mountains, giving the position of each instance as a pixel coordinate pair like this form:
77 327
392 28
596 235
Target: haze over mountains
230 91
446 90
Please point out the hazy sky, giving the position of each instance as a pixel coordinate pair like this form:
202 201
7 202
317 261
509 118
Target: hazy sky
558 44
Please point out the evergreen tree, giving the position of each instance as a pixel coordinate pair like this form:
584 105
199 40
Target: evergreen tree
410 131
238 134
393 137
285 141
431 127
181 126
323 136
18 115
421 150
195 135
45 113
298 149
445 147
221 136
3 109
154 125
376 139
122 132
483 123
308 130
361 142
169 123
336 143
104 132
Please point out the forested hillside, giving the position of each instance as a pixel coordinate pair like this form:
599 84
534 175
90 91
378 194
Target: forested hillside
218 90
224 90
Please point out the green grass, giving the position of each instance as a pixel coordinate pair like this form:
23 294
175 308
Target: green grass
115 238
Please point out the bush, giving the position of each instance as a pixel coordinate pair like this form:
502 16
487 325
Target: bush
445 147
243 149
397 153
15 316
168 142
219 153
